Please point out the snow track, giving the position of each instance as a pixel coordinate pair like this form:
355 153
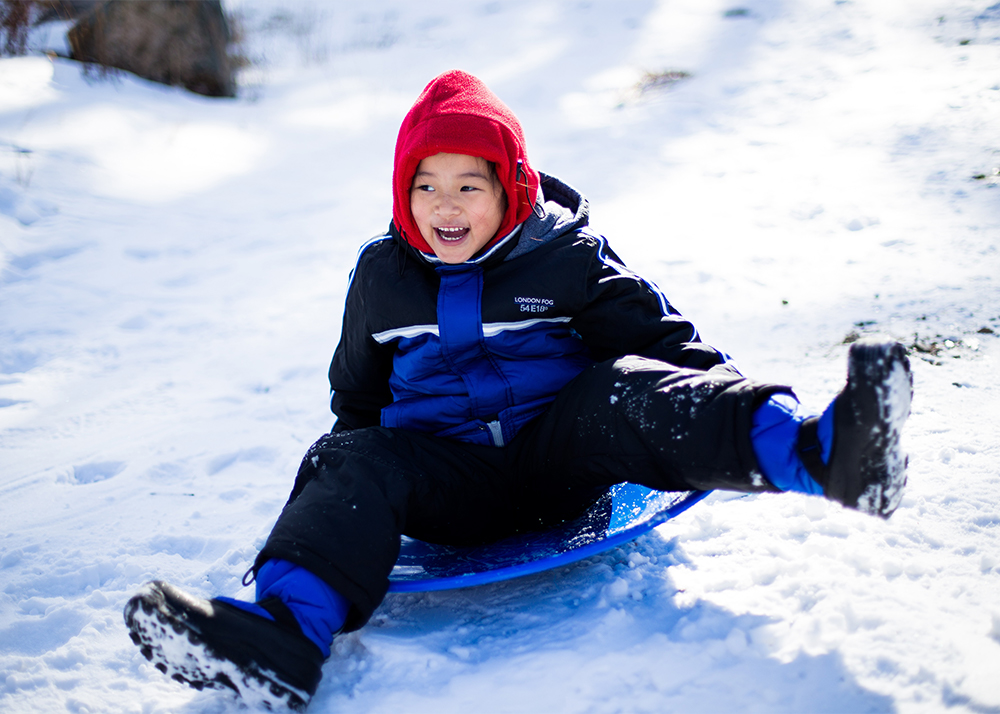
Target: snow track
172 274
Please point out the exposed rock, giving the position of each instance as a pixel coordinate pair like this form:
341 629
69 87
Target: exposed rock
177 42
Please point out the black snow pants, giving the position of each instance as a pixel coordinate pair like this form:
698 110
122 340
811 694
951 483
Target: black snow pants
629 419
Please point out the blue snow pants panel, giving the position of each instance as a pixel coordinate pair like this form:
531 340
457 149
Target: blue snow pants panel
319 609
630 419
775 436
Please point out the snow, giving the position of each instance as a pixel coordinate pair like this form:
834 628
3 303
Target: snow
172 273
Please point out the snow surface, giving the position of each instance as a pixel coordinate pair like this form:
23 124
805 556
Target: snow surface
172 272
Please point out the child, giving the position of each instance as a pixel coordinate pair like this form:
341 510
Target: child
499 369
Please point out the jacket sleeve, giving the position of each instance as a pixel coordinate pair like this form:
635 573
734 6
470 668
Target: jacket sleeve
359 372
625 314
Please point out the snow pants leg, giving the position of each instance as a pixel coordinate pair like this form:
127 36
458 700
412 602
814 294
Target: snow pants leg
645 421
356 492
631 419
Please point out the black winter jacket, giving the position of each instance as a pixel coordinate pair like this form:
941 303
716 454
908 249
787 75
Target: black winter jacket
474 351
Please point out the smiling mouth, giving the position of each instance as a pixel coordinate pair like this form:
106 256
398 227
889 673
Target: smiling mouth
451 235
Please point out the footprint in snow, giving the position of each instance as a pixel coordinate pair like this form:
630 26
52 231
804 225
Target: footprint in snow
97 471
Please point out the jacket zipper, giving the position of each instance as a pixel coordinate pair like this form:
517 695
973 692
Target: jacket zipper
496 432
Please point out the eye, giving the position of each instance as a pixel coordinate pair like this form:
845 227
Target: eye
423 187
469 188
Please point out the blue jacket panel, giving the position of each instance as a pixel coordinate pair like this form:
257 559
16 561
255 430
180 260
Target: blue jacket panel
474 351
497 375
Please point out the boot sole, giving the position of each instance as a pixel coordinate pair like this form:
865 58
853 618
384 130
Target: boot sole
165 639
885 366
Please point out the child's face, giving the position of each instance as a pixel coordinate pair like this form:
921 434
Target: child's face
456 204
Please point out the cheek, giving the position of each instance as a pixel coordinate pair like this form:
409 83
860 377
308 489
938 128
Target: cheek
491 211
418 207
499 209
421 216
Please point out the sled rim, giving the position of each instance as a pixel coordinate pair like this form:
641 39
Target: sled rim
410 583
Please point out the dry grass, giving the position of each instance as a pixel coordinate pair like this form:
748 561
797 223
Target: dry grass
660 80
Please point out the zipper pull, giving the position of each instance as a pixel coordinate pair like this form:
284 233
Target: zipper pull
519 178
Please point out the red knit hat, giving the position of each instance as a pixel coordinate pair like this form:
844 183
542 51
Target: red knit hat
457 114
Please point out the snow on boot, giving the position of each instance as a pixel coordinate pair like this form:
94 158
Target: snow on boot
867 468
208 643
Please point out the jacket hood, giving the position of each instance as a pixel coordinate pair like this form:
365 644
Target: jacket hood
458 114
561 209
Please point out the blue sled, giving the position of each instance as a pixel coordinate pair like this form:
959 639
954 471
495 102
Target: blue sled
624 513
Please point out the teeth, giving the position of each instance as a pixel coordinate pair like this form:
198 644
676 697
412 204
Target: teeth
451 233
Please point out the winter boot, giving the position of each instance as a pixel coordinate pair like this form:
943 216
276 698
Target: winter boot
866 468
209 643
